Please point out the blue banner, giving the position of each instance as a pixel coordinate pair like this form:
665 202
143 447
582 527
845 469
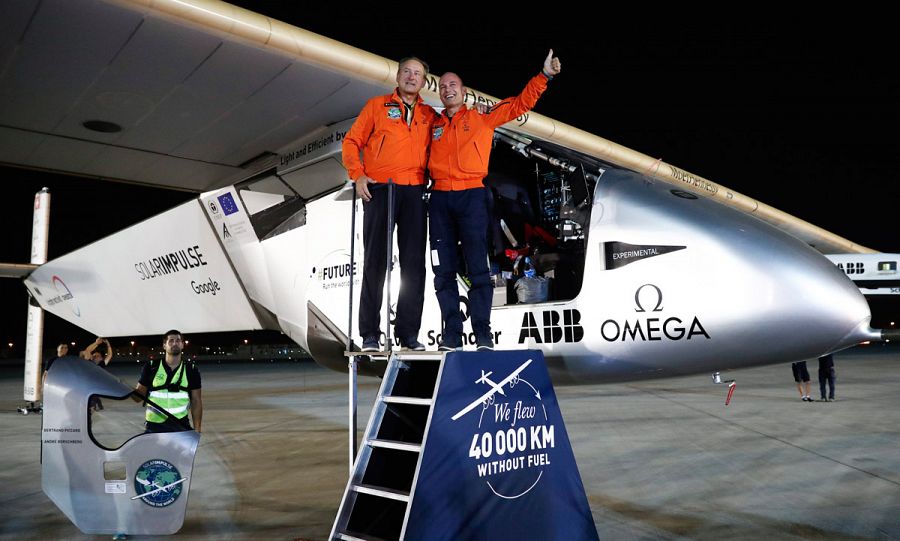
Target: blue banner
497 462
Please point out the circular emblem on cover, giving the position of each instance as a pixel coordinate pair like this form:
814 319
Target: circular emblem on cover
158 483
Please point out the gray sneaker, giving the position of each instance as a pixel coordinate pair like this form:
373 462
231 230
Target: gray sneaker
450 343
370 343
450 346
484 344
412 344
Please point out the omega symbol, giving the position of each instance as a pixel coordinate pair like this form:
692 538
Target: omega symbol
648 296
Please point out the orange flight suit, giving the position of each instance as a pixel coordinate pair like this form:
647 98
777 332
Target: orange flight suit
391 149
461 146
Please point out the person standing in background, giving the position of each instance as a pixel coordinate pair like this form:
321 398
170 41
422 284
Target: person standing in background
100 353
101 356
801 376
826 375
61 351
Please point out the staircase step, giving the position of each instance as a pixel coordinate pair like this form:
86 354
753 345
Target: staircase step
406 400
353 536
434 356
382 492
398 445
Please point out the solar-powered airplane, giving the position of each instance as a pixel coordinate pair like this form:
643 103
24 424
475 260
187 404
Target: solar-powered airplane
654 271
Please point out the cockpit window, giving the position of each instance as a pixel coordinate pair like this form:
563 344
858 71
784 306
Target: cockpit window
541 197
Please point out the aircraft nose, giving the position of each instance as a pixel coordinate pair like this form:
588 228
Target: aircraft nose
788 300
785 300
810 301
705 285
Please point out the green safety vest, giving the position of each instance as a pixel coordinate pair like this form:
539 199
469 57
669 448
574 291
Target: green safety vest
171 395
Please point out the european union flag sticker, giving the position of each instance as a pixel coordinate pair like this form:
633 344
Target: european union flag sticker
226 201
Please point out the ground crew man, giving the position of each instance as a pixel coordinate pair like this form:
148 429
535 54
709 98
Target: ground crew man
392 133
460 150
173 385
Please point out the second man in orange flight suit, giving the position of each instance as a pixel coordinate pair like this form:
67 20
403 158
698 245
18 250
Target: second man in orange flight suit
461 142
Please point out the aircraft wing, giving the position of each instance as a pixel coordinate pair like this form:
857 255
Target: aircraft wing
197 94
168 272
16 270
197 106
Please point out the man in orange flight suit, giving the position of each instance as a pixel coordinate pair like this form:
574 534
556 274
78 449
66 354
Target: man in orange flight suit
460 150
392 134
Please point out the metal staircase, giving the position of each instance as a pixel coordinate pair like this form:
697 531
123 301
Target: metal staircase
376 502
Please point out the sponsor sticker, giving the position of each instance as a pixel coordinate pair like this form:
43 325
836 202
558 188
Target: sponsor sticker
226 201
115 488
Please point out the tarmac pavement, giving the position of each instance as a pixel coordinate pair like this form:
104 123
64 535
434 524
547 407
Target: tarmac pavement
661 459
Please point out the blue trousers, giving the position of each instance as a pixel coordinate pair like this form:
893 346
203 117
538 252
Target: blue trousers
461 217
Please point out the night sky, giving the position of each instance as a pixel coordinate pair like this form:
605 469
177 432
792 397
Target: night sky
798 114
